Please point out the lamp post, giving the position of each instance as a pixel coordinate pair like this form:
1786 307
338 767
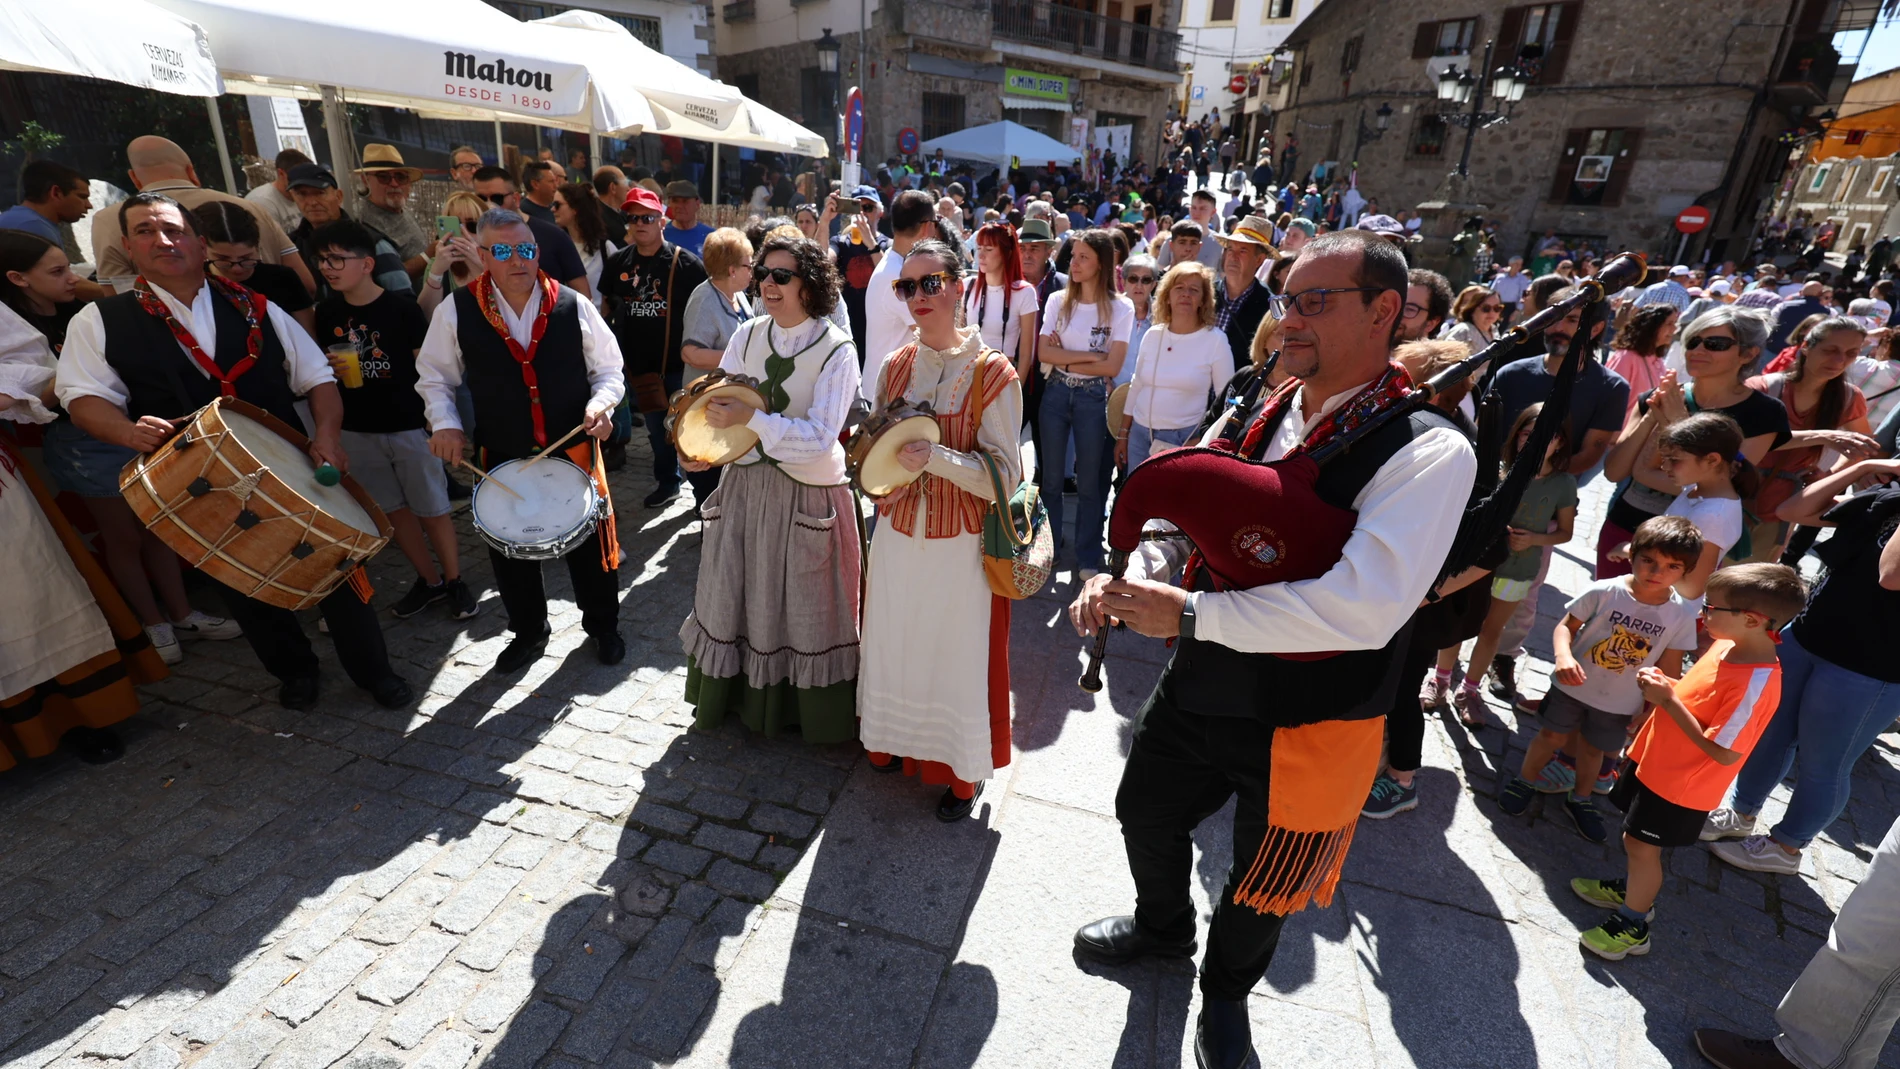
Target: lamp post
828 48
1383 120
1458 88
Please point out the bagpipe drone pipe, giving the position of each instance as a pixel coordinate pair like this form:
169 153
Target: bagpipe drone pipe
1255 522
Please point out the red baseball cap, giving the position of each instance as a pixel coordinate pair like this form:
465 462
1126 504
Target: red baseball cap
642 197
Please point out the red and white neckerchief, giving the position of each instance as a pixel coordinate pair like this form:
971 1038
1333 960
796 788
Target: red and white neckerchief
249 303
490 303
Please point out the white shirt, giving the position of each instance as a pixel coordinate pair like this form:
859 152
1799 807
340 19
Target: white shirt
84 372
26 368
1174 376
813 436
1001 320
887 322
439 361
1718 518
1085 332
1408 515
281 207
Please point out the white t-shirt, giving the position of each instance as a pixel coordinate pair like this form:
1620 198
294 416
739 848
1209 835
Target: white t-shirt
1718 518
1175 374
1621 636
887 322
1084 331
1002 326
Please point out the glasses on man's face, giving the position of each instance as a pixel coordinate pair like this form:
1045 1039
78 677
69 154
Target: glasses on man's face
392 178
930 285
244 264
1413 311
527 250
1139 280
333 262
465 167
780 276
643 220
1312 302
1714 345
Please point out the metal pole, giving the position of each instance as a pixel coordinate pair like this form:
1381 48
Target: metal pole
224 151
715 176
336 126
1477 104
500 152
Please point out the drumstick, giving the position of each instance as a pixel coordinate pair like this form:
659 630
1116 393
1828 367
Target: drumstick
490 478
549 451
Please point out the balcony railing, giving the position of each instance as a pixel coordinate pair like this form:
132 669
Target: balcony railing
1807 75
1066 29
740 11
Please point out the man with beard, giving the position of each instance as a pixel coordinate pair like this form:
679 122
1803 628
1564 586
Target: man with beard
1427 303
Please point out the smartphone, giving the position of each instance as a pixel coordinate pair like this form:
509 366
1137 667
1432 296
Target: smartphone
447 226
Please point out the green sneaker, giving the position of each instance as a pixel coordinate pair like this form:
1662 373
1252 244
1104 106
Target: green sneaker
1616 938
1605 893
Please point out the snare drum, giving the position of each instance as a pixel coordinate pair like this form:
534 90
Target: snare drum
558 508
870 457
696 439
235 494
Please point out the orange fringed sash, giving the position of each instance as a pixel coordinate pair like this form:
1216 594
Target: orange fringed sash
1320 774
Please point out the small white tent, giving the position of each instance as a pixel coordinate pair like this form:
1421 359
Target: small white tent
1000 143
127 41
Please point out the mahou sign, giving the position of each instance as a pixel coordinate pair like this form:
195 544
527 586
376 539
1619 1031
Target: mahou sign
496 71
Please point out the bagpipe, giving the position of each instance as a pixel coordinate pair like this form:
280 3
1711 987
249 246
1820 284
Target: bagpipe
1255 522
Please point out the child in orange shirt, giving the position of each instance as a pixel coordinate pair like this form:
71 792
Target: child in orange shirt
1684 759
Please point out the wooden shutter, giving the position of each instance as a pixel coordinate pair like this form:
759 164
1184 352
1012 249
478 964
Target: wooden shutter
1554 63
1574 142
1511 34
1220 11
1620 170
1425 41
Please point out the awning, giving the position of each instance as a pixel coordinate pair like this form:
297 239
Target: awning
126 41
1034 102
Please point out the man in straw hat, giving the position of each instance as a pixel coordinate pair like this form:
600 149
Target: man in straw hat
386 182
1240 301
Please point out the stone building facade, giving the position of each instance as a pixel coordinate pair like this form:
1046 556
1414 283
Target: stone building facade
934 67
1615 135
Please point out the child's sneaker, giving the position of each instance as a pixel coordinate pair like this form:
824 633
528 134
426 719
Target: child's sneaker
1605 893
1389 798
1556 778
1606 780
1470 707
205 625
1617 938
1585 818
1516 797
1435 691
1726 823
165 642
1504 677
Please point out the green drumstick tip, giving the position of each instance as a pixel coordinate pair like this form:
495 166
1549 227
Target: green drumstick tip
327 474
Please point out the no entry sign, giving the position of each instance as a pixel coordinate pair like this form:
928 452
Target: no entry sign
1693 218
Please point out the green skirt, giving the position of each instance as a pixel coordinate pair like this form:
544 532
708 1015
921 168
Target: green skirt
820 714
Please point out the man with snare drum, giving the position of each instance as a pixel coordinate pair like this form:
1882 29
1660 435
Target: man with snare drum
540 361
135 364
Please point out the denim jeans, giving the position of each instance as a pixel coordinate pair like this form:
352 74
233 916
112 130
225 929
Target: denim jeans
1827 719
666 469
1141 441
1081 411
1840 1012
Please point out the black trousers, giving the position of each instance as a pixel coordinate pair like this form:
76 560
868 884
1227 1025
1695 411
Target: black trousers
1181 769
1405 721
666 461
280 643
597 592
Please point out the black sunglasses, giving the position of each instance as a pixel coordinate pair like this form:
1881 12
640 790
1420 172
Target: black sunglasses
779 275
1714 345
497 198
642 220
931 284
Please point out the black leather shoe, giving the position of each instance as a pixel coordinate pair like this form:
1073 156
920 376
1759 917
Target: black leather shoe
950 808
895 764
611 648
393 692
523 651
1117 941
662 496
298 694
1223 1039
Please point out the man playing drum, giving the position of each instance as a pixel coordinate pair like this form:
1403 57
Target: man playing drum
539 360
137 362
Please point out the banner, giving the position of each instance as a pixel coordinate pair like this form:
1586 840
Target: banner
1117 138
1079 136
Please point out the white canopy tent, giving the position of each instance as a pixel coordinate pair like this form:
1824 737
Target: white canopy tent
1001 142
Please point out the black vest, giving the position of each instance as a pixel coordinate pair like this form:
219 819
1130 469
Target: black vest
162 380
504 424
1214 680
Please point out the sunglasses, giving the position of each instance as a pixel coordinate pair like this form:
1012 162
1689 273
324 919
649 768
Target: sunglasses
1714 345
527 250
497 198
931 285
1139 280
392 178
1493 308
643 220
780 276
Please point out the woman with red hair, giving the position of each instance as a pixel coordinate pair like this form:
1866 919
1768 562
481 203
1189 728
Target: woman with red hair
1003 306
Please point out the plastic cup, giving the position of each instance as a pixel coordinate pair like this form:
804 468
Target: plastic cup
350 374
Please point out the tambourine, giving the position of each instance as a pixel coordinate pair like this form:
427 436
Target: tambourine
1117 408
870 456
693 437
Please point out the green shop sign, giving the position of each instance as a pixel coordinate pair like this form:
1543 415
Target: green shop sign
1031 84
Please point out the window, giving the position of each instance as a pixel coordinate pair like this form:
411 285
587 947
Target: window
1846 184
943 114
1539 36
1349 55
1882 178
1854 137
1428 137
1220 10
1279 9
1306 72
1595 167
1819 181
644 30
1448 37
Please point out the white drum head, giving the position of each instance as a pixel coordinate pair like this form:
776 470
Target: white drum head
881 473
293 467
698 440
556 497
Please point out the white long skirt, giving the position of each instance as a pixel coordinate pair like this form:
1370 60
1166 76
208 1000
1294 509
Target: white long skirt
924 655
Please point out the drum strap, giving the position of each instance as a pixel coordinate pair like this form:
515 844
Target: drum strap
488 300
249 304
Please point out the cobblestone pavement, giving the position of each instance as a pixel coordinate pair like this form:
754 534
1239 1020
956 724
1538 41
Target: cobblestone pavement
551 870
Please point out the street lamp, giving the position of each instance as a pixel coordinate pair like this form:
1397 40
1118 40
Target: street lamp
1459 88
1448 84
1384 116
1382 120
828 48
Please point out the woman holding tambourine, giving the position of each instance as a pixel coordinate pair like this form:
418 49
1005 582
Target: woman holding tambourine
933 694
773 635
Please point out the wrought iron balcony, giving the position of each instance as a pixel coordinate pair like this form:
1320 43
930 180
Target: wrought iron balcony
1084 33
740 11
